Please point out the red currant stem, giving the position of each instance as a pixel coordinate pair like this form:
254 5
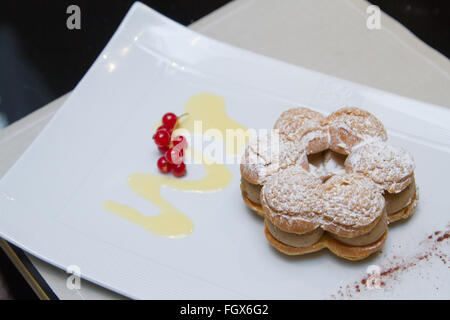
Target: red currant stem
182 115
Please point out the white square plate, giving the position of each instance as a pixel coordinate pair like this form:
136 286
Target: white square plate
51 200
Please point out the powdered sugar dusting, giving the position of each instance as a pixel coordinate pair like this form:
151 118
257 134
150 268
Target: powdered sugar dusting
296 122
350 126
267 154
306 127
344 200
352 199
293 192
386 165
357 122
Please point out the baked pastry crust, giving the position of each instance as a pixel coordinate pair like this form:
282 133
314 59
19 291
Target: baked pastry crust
390 167
350 126
353 205
256 208
306 127
338 248
290 199
268 154
406 212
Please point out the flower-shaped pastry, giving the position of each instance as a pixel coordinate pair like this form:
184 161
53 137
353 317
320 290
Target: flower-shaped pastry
335 183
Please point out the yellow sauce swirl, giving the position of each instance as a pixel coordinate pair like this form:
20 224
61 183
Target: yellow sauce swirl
171 222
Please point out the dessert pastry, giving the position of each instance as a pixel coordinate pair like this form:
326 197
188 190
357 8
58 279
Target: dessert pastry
392 169
345 214
350 126
264 156
335 184
304 126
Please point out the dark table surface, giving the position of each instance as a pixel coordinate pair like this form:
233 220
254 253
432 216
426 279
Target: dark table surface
40 59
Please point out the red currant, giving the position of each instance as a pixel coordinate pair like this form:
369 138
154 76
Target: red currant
163 149
162 138
163 165
179 170
164 127
175 155
169 120
179 140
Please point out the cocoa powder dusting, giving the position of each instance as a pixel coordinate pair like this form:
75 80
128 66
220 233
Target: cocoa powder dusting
390 272
445 236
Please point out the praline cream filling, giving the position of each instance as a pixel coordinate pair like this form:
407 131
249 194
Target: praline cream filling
294 239
368 238
397 201
252 191
310 238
